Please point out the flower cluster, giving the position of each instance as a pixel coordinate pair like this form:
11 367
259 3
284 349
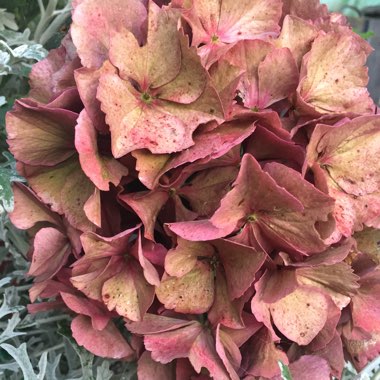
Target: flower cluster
207 173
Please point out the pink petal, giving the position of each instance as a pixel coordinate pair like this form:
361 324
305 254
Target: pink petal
150 272
156 63
301 315
66 188
94 22
29 210
107 343
55 73
240 264
87 81
96 246
51 251
334 78
365 304
349 152
128 292
273 89
192 293
297 35
81 305
308 10
148 369
263 355
146 205
182 259
229 352
337 280
100 169
50 136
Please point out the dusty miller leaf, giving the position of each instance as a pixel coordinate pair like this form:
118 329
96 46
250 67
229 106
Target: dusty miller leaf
103 372
20 355
7 20
9 332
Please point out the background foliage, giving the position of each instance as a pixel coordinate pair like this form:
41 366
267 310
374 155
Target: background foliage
36 347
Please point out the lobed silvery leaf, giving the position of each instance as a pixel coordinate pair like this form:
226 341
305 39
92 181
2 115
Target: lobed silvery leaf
34 51
7 20
13 38
4 60
103 372
21 356
6 308
9 332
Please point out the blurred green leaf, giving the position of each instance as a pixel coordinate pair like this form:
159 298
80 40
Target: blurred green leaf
285 372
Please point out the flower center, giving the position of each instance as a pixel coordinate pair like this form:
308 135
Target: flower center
214 39
146 98
251 218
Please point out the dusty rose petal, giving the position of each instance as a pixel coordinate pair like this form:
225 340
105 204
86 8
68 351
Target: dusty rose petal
365 304
207 146
149 166
50 136
225 311
307 10
240 264
225 78
263 355
301 315
182 259
51 250
367 242
225 21
140 125
338 281
143 250
87 81
205 191
94 22
297 35
343 160
108 343
317 208
80 305
229 352
102 170
148 369
162 45
333 76
265 145
191 80
192 293
91 282
173 344
203 354
66 188
96 246
55 73
92 208
146 205
272 90
333 255
325 336
363 351
128 292
29 210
